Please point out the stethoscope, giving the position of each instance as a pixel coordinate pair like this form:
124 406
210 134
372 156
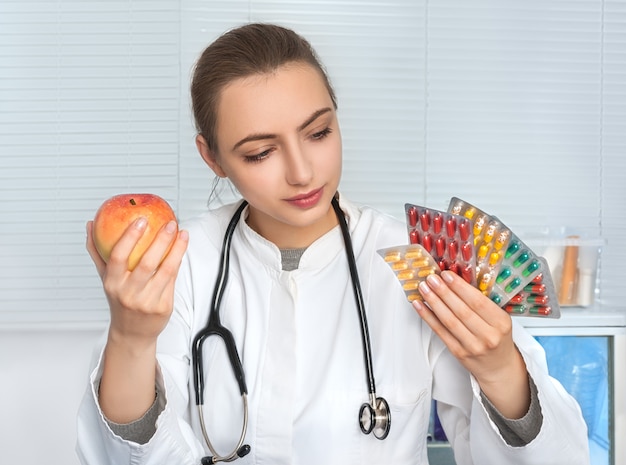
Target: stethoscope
374 416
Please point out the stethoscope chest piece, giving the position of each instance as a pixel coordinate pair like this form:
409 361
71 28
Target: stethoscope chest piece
375 417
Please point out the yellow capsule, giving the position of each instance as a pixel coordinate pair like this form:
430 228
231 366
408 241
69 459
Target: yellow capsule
503 238
406 274
458 207
484 282
411 297
420 263
478 225
469 213
410 285
393 256
483 250
412 254
399 265
491 230
425 272
494 258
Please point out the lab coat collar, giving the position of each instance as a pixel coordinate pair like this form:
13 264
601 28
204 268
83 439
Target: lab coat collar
317 255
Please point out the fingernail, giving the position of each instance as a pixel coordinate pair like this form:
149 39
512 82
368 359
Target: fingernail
184 235
141 222
423 288
418 305
447 276
434 280
171 227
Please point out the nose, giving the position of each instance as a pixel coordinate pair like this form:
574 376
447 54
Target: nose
298 168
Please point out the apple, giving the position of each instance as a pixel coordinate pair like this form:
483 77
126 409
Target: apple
117 213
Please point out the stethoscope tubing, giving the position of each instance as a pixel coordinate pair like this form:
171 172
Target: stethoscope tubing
358 295
214 325
374 416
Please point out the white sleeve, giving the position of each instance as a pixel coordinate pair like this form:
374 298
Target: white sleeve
476 438
174 440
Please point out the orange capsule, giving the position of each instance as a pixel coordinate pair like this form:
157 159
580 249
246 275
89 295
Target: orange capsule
393 256
412 254
400 265
420 262
404 275
425 272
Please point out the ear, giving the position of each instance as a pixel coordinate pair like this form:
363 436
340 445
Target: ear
208 156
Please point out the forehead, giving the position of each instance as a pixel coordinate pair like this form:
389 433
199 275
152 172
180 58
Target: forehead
265 102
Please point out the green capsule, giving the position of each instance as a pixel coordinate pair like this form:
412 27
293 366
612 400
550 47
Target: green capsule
517 309
513 284
496 298
503 275
534 266
512 249
521 259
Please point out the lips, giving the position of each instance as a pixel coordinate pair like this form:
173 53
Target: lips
307 200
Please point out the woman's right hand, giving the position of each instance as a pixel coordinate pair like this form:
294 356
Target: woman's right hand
141 303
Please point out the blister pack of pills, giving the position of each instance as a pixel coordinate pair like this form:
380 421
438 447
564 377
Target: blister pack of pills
537 298
519 266
448 238
505 264
491 238
482 250
411 264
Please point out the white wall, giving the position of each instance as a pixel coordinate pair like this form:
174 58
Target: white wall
43 376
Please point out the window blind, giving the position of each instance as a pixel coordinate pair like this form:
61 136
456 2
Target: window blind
518 108
90 106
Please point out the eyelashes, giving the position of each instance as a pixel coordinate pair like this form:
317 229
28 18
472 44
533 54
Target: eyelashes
321 134
317 136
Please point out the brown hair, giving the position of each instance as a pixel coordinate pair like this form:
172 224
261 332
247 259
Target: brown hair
245 51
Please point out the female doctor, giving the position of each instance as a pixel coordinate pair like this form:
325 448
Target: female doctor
337 367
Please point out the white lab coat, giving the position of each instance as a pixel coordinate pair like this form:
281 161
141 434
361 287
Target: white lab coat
298 336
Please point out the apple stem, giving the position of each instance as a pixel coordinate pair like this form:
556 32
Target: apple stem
132 202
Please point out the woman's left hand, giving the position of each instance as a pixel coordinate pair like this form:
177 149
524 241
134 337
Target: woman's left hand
479 334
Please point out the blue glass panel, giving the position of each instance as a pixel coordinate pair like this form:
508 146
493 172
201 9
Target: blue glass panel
580 363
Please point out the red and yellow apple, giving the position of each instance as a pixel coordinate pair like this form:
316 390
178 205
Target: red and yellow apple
117 213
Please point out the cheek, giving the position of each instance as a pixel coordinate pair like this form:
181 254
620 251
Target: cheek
335 159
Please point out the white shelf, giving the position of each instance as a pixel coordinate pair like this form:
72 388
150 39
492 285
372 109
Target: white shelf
578 321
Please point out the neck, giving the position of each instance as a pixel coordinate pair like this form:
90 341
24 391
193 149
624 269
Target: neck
290 236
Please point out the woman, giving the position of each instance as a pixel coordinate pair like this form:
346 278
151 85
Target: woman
266 119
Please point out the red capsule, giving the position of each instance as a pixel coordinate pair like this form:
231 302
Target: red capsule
467 273
537 279
464 230
412 216
440 247
454 267
443 265
438 222
425 220
427 242
538 299
543 311
453 250
535 288
467 251
451 227
518 309
414 237
517 299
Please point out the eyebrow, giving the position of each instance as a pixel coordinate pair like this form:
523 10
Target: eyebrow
261 136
